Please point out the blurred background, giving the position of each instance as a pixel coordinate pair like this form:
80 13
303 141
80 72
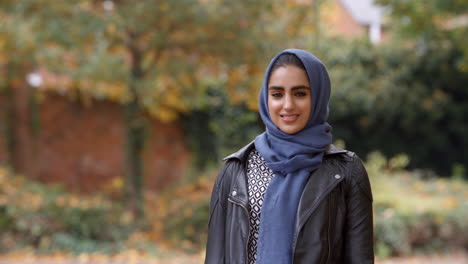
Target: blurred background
115 115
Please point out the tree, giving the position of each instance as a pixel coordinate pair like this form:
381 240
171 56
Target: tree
431 24
155 57
19 99
406 95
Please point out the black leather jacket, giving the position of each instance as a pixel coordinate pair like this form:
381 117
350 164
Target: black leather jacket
334 221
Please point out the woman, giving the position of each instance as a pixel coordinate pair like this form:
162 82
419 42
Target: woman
291 196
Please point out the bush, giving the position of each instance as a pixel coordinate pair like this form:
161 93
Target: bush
48 218
414 214
183 212
401 94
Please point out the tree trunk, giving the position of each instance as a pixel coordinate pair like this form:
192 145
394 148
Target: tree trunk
20 137
9 126
135 132
135 140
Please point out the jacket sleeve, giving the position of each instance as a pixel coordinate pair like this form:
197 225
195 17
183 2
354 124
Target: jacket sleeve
216 225
359 241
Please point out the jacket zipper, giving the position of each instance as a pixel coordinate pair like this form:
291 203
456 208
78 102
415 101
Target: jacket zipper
248 228
296 233
329 225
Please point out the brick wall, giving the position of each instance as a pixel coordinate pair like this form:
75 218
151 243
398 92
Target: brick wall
82 146
343 24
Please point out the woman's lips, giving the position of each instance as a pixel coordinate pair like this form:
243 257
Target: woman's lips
289 118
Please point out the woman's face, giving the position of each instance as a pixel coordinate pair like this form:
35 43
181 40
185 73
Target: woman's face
289 98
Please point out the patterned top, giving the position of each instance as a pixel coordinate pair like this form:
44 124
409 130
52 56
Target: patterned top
258 178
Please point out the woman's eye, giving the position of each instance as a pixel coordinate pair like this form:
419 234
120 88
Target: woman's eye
300 94
276 94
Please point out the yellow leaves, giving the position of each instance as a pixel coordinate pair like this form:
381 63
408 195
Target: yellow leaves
330 12
188 212
60 201
16 82
418 186
398 162
189 230
164 114
427 104
33 201
171 96
111 29
85 5
3 50
236 79
450 203
117 183
164 6
128 256
74 201
176 203
17 191
364 121
115 91
127 218
4 184
55 82
303 2
437 98
405 192
243 85
162 208
2 42
252 103
3 175
294 3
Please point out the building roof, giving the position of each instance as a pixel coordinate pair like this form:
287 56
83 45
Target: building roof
365 12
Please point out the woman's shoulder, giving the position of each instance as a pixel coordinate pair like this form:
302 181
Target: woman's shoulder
242 154
351 167
233 168
334 152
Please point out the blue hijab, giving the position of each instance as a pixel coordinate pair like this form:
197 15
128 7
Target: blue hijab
292 157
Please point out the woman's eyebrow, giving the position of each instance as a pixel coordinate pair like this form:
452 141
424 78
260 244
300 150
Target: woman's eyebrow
299 87
275 88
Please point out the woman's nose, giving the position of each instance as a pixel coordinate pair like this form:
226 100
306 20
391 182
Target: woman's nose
288 103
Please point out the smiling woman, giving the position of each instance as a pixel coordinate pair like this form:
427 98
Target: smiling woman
289 99
291 196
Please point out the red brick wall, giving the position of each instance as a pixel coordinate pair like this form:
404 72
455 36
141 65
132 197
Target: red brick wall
343 24
82 146
3 111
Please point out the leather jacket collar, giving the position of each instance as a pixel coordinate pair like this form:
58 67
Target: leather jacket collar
239 194
243 153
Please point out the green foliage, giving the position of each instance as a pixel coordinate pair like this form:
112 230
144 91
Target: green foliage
160 54
217 128
183 212
152 57
415 215
400 100
48 218
398 233
411 214
192 228
395 99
